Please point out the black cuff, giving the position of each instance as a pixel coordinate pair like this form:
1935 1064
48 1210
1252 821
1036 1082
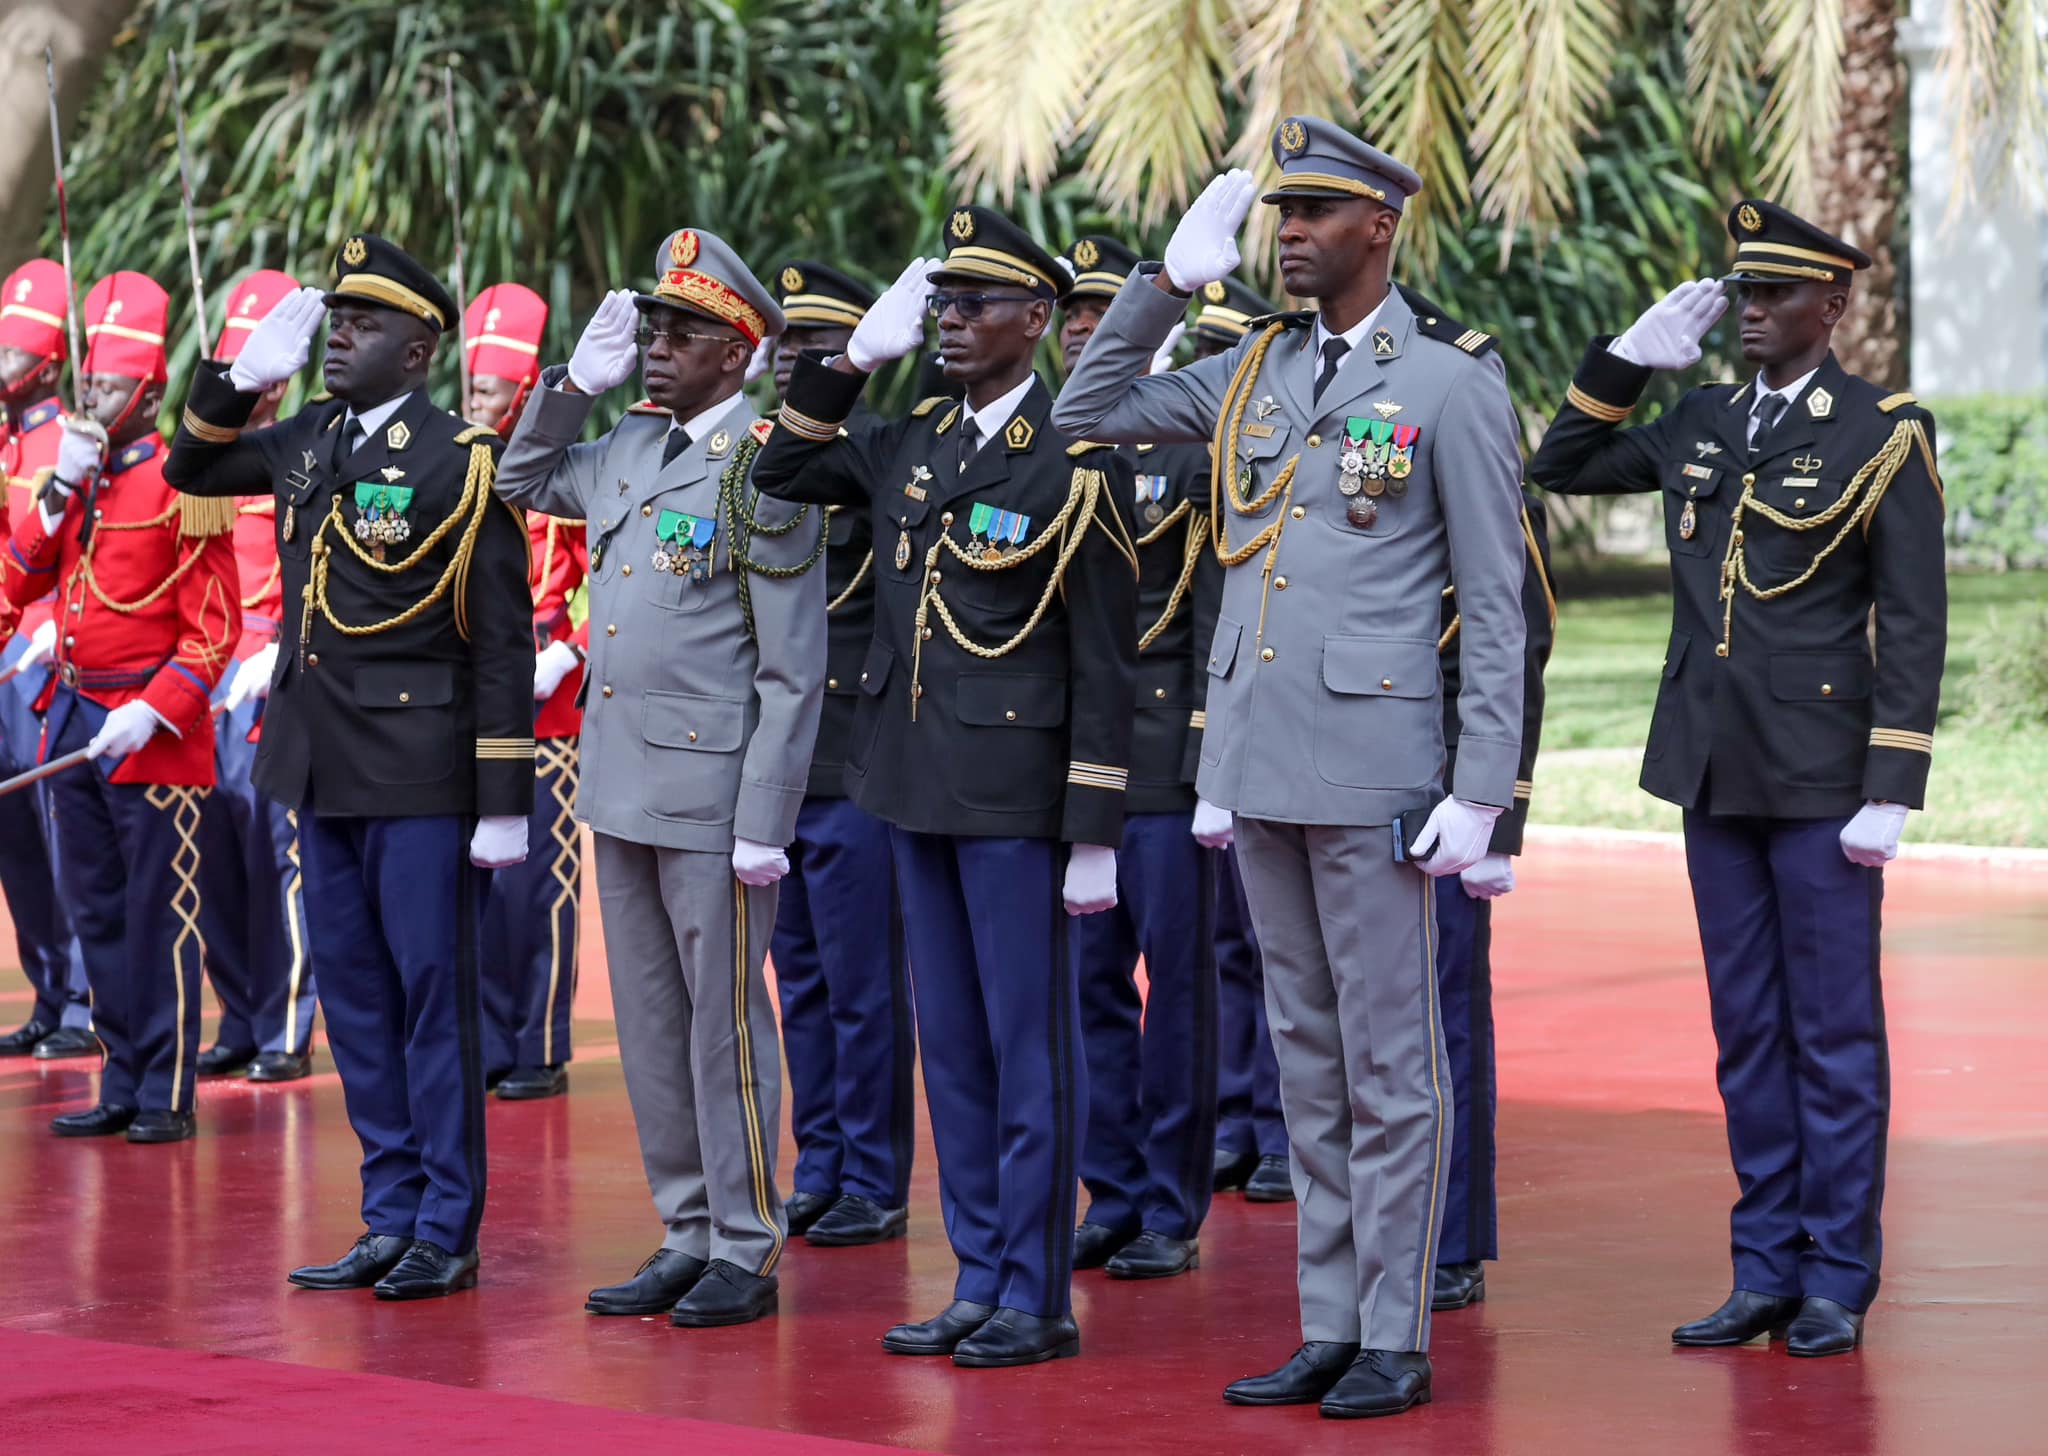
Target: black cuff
1607 386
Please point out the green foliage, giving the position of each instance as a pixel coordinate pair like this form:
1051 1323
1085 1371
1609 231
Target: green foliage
1994 467
2009 688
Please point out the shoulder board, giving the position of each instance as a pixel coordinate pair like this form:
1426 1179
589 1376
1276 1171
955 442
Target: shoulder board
475 433
645 407
1897 401
1302 319
1082 447
762 429
925 406
321 398
1450 331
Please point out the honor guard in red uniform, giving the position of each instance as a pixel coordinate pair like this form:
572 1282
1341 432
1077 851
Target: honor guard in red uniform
258 951
149 610
530 924
31 359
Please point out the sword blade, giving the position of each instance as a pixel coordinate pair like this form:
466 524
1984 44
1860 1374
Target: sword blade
191 226
64 234
454 146
43 770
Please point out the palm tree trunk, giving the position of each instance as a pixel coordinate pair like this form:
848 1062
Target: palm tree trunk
1861 185
79 33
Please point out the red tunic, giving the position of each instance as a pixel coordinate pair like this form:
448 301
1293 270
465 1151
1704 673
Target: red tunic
27 459
148 611
560 561
262 584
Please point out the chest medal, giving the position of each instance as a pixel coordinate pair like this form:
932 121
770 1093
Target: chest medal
1151 495
1362 511
380 518
1688 522
996 534
682 545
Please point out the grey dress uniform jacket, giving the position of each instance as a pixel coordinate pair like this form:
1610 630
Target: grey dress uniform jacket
695 729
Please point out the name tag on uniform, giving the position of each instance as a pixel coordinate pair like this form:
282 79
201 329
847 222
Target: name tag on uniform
1697 472
1799 482
1260 432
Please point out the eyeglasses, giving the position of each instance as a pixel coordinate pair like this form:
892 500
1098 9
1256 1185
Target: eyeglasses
676 338
970 305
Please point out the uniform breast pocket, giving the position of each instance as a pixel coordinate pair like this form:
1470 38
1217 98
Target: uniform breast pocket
1012 740
692 756
403 712
1259 459
1378 721
1690 489
898 531
1787 550
1822 718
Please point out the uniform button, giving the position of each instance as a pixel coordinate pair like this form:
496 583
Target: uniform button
1799 504
99 515
1279 583
863 677
1159 692
70 641
1430 321
831 682
693 735
1315 442
77 607
312 659
1009 715
917 690
1266 655
946 519
927 634
611 629
626 570
1695 490
607 690
1749 479
1827 690
903 520
1386 684
936 578
647 510
1298 512
1720 649
1738 538
405 697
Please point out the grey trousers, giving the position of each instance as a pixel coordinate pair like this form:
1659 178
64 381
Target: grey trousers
685 943
1349 940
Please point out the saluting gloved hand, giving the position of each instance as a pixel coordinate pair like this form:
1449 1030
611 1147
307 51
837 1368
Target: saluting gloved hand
279 346
40 645
764 355
1668 334
1091 879
1455 837
1491 878
127 728
1214 828
757 864
1872 837
252 676
555 662
894 326
499 841
1204 244
607 353
1162 360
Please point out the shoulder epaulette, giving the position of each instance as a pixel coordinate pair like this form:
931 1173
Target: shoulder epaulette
925 406
762 429
1449 331
475 433
1300 319
323 397
645 407
1082 447
1895 401
202 516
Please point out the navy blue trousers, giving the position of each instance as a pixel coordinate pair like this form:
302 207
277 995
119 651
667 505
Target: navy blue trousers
844 984
258 950
1790 932
1248 1116
1464 974
130 864
1149 1158
50 956
396 909
530 927
998 1016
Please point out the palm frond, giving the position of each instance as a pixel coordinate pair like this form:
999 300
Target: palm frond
1156 117
1417 112
1995 91
1803 55
1011 79
1722 43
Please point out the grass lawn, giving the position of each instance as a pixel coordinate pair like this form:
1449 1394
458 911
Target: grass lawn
1989 784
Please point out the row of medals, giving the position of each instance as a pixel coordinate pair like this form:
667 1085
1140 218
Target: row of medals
693 562
1363 476
381 529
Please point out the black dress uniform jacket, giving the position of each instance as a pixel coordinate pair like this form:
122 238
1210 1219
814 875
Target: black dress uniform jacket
432 713
1176 565
849 627
1035 742
1539 608
1778 700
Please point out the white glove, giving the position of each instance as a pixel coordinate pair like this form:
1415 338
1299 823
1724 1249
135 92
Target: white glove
499 841
1163 359
127 728
1872 837
252 677
80 453
757 864
1455 837
1214 828
607 354
894 326
1491 878
1204 244
556 661
1091 879
1668 334
279 346
764 356
40 646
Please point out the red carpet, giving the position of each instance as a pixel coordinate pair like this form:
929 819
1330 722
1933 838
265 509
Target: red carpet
1614 1188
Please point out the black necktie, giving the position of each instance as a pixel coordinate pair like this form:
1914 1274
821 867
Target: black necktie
678 441
970 437
352 436
1334 351
1769 410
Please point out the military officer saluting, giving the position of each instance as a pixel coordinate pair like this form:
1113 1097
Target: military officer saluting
1796 502
1368 455
840 968
1146 1162
993 732
705 682
399 726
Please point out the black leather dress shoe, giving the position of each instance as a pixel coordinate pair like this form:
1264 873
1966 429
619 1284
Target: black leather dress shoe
281 1066
855 1220
160 1125
726 1295
102 1121
1096 1243
655 1288
1154 1256
428 1271
1823 1327
1457 1285
1746 1315
369 1259
804 1209
224 1061
1379 1383
1270 1182
68 1041
1306 1378
942 1334
22 1040
530 1084
1012 1337
1232 1169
